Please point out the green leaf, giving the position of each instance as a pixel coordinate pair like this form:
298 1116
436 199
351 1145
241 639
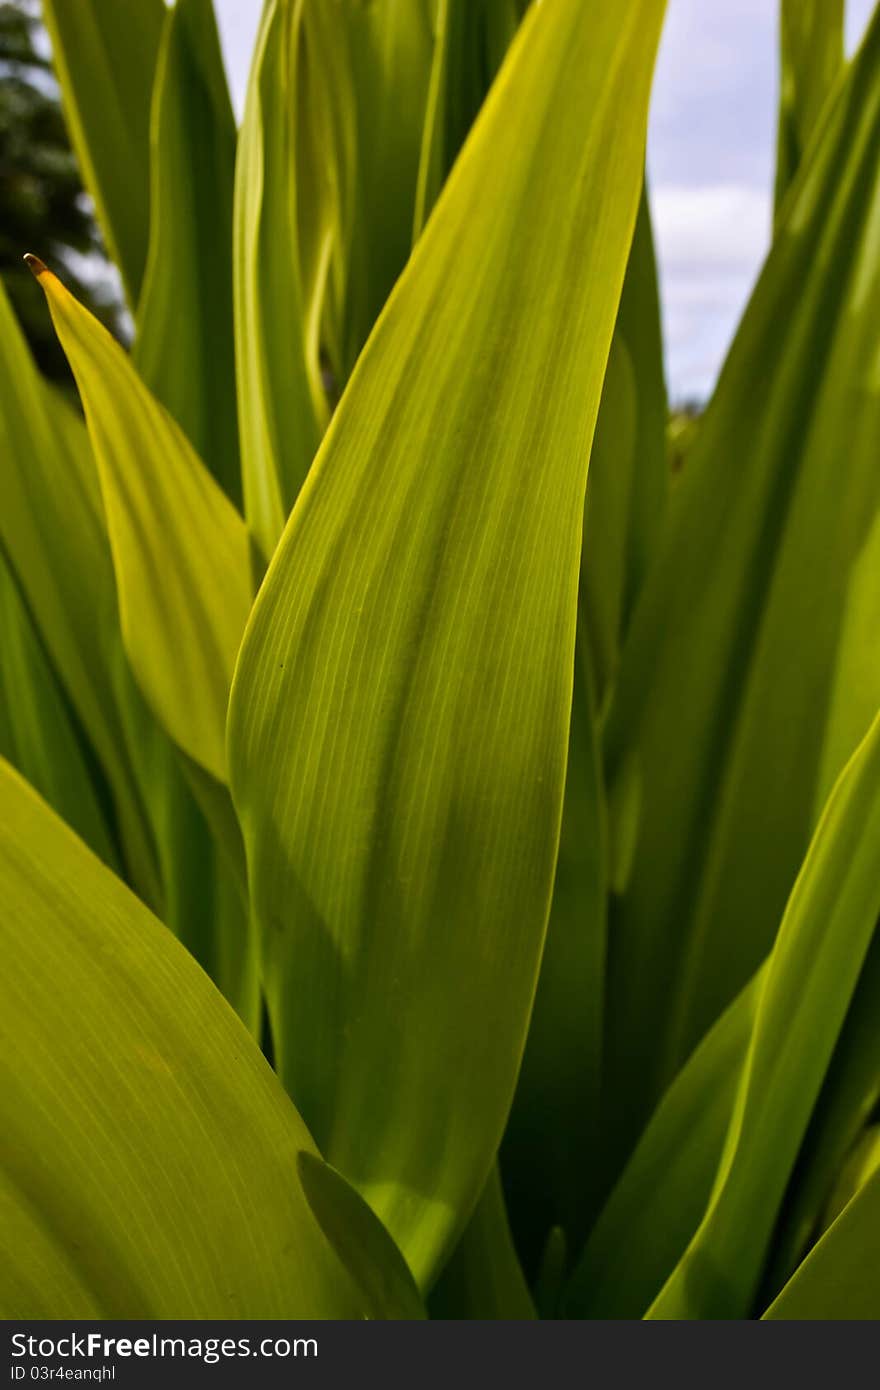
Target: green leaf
37 729
184 346
628 487
399 719
719 721
278 284
181 552
149 1159
838 1279
553 1136
811 60
53 527
811 978
360 1240
662 1194
483 1278
848 1099
861 1164
372 65
105 56
472 37
53 530
325 189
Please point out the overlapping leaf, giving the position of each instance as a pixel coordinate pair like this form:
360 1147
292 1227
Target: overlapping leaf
38 733
483 1278
181 551
184 347
53 531
278 283
811 978
811 59
838 1279
716 738
105 56
148 1159
399 719
472 37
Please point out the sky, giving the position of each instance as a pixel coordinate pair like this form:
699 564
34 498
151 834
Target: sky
711 145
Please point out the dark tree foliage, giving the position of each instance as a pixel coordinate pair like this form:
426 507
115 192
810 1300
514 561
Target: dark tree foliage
42 204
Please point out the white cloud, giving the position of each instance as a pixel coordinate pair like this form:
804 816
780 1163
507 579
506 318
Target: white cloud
711 151
711 242
723 224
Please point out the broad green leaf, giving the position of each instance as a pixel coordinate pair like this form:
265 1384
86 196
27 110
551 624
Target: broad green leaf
483 1278
663 1192
838 1279
553 1133
104 53
848 1099
472 37
726 686
181 551
148 1161
53 531
399 717
184 345
811 59
38 734
281 405
811 978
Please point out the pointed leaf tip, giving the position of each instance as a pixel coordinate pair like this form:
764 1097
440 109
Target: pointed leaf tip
35 265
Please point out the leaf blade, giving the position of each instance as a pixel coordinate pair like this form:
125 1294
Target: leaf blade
401 801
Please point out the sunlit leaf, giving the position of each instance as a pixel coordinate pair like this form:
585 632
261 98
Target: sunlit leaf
184 345
181 552
399 719
811 977
719 722
148 1163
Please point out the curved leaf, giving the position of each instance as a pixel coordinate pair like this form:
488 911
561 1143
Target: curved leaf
105 56
849 1097
181 552
37 730
811 977
53 530
361 1241
811 59
719 719
664 1189
838 1279
399 718
184 345
553 1135
471 39
148 1158
281 406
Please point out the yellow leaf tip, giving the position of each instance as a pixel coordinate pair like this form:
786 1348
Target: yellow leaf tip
35 265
